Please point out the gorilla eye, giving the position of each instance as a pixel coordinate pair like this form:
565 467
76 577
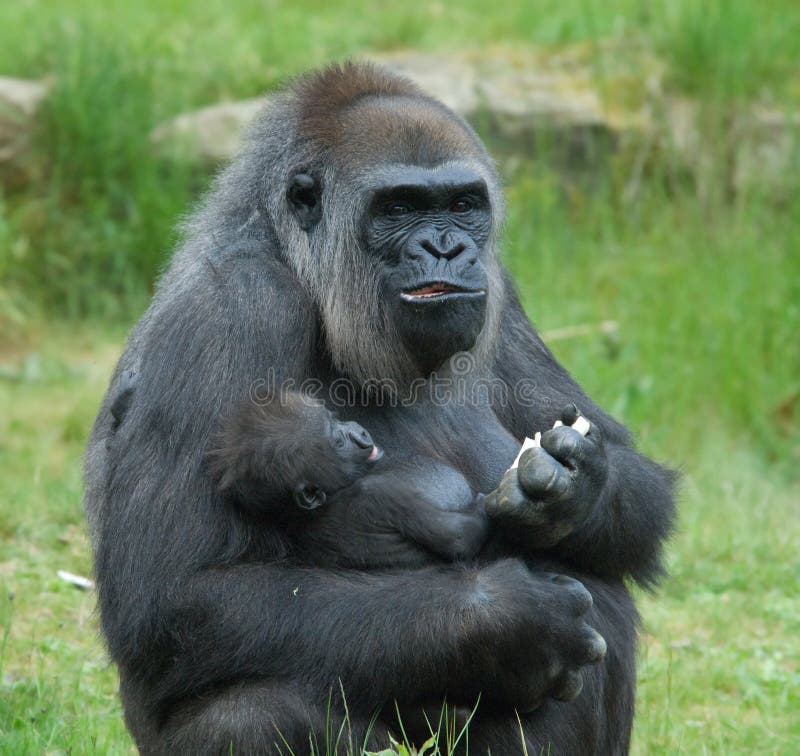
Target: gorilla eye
396 209
339 442
462 205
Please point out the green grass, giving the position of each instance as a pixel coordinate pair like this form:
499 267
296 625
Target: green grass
728 50
703 282
58 690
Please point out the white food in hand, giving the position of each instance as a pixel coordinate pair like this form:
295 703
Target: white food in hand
528 443
581 425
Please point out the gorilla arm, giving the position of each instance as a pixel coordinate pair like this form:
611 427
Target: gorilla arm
194 595
408 636
594 501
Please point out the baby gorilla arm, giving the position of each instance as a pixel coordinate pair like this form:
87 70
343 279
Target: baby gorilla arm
394 516
437 509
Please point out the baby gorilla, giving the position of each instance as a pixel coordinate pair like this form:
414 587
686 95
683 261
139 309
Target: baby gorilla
340 500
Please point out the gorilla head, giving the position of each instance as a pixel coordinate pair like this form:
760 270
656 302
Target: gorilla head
388 214
293 448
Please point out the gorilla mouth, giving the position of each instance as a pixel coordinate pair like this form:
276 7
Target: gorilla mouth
375 454
437 290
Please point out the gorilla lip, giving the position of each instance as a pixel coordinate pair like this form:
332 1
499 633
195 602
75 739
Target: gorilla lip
437 290
375 454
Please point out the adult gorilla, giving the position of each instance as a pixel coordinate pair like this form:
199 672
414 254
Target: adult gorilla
354 238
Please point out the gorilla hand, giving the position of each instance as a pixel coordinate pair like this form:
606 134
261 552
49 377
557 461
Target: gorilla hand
555 487
545 640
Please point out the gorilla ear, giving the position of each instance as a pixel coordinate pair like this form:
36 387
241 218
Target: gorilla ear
305 200
308 497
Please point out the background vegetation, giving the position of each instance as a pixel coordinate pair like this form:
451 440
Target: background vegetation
703 280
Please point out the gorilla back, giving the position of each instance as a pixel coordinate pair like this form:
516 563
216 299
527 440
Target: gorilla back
352 243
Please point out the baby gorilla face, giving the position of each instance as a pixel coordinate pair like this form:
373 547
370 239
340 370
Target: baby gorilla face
352 442
342 452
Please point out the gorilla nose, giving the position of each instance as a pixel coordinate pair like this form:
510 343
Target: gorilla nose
448 252
359 436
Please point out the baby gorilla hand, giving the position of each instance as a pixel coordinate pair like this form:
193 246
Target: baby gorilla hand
457 535
555 487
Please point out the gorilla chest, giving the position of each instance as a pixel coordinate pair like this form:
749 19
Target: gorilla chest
467 439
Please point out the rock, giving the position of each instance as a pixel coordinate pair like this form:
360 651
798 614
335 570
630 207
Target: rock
520 94
752 148
210 134
19 101
584 100
514 97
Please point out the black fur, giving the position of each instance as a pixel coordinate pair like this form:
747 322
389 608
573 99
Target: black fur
223 638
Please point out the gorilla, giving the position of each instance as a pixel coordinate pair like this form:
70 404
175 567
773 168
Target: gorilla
290 459
352 246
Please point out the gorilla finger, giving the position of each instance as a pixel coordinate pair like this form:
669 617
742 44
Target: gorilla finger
559 579
576 452
595 435
507 498
567 446
490 504
542 477
570 414
579 597
532 701
591 647
568 686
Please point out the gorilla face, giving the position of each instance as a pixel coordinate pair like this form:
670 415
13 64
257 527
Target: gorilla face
429 228
350 445
426 229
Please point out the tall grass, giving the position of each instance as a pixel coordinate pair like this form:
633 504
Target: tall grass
707 301
98 224
89 230
729 50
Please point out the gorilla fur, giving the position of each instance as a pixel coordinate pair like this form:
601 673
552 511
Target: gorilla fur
354 239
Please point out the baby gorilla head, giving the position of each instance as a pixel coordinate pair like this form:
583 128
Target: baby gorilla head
325 455
294 448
